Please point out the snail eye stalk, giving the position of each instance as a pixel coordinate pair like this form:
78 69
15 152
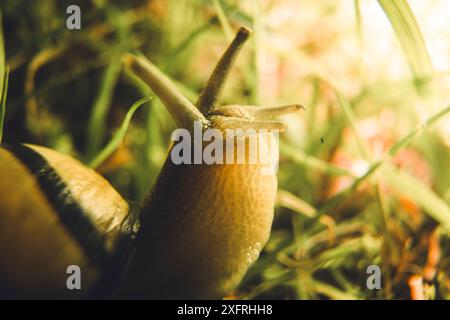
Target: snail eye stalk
181 109
214 86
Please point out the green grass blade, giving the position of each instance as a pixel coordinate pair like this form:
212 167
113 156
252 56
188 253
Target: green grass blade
3 79
186 43
421 194
391 152
2 55
358 18
351 189
226 27
257 50
3 102
310 162
292 202
97 120
332 292
119 135
348 112
361 40
416 132
410 37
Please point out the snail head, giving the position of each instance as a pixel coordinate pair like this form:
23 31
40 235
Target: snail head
207 109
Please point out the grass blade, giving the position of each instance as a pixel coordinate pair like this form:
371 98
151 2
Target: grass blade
257 50
294 203
391 152
415 190
416 132
348 112
226 27
97 120
3 79
119 135
299 156
2 55
169 61
332 292
359 25
3 102
410 37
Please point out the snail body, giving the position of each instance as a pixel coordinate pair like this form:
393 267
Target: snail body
205 232
195 235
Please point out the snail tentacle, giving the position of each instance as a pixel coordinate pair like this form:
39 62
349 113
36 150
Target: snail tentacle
216 82
181 109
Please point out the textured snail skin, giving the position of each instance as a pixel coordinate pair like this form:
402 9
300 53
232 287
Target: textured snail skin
201 228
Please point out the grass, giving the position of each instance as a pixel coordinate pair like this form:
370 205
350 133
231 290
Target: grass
3 80
362 180
224 23
4 94
97 121
410 37
118 137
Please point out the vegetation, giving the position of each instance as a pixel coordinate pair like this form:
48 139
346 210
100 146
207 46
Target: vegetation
364 173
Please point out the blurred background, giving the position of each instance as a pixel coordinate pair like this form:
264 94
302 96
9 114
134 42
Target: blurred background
364 172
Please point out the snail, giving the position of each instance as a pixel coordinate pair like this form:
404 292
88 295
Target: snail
194 236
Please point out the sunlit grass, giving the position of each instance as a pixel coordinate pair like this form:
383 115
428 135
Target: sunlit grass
410 37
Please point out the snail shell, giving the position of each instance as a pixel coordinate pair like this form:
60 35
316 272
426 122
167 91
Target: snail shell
54 212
